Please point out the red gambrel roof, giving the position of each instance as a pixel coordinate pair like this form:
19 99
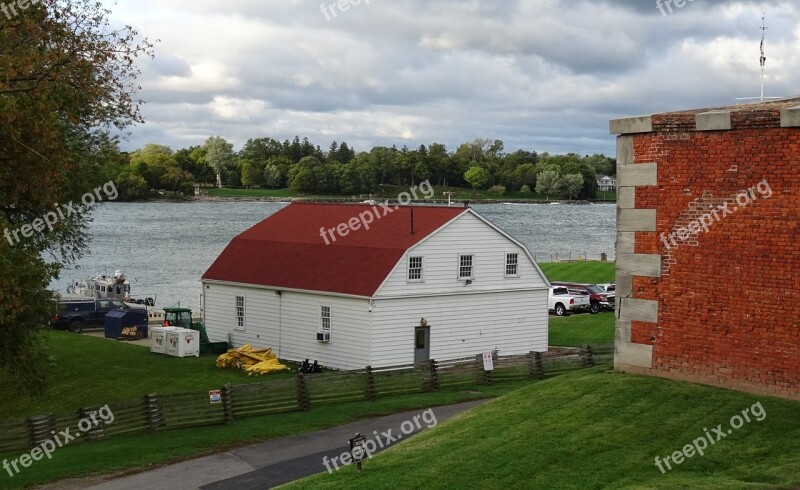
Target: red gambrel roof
287 251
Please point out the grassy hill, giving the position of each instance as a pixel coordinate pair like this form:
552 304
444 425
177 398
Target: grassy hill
594 272
572 331
90 371
593 429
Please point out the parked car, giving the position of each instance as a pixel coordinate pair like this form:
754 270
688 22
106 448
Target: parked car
608 287
599 299
561 301
77 314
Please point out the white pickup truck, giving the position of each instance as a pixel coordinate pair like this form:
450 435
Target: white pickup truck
561 302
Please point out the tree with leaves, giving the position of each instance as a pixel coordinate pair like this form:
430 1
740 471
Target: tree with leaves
548 183
219 156
476 177
570 185
66 78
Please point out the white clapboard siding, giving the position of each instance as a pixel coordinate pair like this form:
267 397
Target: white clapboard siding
289 324
461 325
467 235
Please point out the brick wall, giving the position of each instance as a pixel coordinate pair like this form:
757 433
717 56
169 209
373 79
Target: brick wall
709 227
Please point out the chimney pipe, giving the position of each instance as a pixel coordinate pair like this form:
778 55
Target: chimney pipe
412 219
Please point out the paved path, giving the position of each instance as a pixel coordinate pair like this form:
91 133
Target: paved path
283 460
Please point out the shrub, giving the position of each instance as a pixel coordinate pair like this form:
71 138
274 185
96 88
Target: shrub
497 190
525 189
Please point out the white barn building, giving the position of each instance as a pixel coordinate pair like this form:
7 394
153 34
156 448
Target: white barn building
421 282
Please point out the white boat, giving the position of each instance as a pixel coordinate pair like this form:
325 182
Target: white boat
114 287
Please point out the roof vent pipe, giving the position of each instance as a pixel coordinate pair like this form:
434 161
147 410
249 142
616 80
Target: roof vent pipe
412 219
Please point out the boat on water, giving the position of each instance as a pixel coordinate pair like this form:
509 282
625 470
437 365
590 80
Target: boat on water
114 287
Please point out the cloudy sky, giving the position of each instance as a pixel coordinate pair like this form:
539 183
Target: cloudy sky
542 75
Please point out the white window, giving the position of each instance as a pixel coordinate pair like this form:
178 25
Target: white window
324 334
415 269
465 267
240 313
512 265
325 319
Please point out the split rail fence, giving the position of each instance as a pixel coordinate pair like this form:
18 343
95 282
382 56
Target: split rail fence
157 412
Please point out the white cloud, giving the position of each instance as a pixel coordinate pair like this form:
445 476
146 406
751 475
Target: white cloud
539 74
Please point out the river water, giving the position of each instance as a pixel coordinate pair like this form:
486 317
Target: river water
164 248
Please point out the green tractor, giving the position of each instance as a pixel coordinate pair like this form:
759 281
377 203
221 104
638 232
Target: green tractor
182 318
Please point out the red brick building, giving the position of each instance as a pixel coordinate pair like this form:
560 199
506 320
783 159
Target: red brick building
708 246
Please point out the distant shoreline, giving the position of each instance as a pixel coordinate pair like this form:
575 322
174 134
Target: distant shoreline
349 200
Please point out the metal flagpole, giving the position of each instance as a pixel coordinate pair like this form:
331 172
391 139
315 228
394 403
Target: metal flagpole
762 61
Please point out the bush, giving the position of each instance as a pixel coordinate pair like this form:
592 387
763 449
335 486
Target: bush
497 190
525 189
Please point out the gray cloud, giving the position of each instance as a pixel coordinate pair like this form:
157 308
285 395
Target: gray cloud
539 74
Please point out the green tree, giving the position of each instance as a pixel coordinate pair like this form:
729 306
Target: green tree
602 164
66 78
302 180
438 162
131 185
245 166
476 177
272 176
525 175
570 185
219 156
548 183
192 160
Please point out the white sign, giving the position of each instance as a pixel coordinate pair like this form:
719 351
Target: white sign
215 396
488 363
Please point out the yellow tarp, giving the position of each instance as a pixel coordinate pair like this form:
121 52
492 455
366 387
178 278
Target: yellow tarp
253 361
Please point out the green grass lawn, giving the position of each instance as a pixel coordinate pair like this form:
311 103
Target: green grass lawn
588 271
91 371
147 451
592 429
584 328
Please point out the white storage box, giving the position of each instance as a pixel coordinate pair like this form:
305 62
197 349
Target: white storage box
158 340
183 342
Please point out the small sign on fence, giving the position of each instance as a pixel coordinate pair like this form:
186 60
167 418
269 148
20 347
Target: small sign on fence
215 396
488 362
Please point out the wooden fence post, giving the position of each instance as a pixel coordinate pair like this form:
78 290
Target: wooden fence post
226 393
303 398
484 377
433 373
152 409
535 366
40 428
370 388
586 356
97 431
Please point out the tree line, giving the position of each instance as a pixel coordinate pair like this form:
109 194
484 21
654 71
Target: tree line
306 169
